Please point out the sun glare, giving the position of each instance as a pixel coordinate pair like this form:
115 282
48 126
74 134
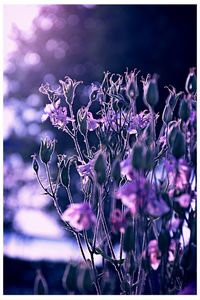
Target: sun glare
20 16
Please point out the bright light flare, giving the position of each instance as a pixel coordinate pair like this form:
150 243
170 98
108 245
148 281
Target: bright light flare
20 16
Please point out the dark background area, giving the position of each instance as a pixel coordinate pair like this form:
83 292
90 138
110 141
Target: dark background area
83 42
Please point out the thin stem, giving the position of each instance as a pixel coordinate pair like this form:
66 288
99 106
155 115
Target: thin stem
87 146
69 194
49 178
80 245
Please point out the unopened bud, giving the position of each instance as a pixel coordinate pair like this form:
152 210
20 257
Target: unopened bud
167 114
184 110
82 121
47 148
178 147
35 164
150 87
116 171
100 169
69 86
191 82
137 157
64 176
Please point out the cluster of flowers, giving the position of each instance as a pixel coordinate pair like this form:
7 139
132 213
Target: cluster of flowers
140 182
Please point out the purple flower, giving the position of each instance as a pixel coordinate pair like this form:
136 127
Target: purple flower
86 170
184 200
139 195
118 221
178 175
57 114
80 216
127 169
91 122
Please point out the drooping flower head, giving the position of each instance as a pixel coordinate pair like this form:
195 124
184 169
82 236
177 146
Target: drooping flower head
80 216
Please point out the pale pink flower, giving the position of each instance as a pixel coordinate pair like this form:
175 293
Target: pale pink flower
184 200
80 216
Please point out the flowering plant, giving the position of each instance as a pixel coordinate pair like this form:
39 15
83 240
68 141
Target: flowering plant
138 183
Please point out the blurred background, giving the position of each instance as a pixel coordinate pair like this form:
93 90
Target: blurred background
43 44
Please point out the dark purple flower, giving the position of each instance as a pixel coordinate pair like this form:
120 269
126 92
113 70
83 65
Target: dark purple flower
80 216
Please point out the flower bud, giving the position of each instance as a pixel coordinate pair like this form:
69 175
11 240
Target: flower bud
178 147
148 159
94 93
150 88
132 90
173 97
191 82
184 110
100 169
116 171
64 176
35 164
173 128
85 279
167 114
137 157
69 86
70 277
47 148
82 121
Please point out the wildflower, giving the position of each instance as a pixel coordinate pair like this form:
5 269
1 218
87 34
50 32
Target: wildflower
47 148
69 86
91 122
85 170
80 216
184 200
127 169
46 90
131 88
184 109
191 82
140 196
118 221
150 89
178 175
57 115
